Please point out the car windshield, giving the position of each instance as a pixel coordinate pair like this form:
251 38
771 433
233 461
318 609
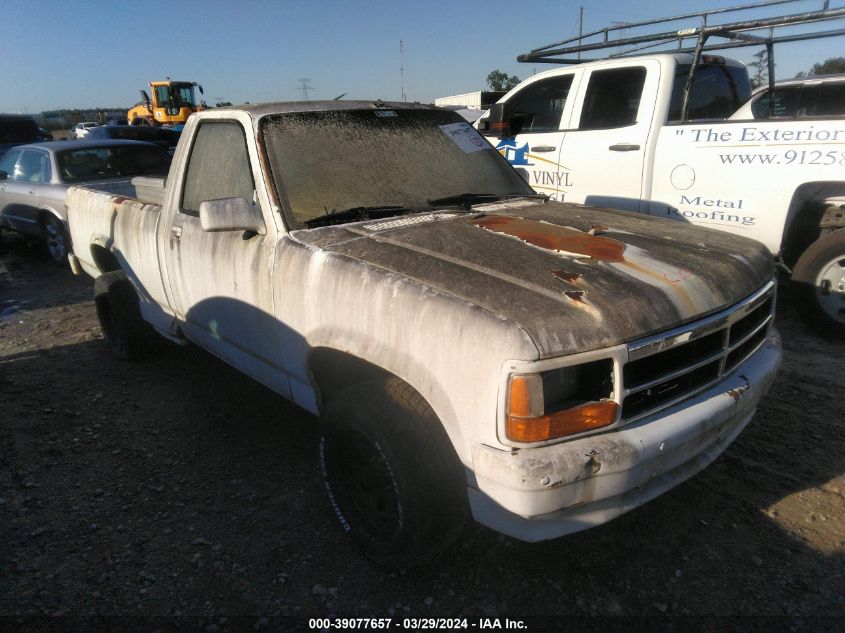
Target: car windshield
331 161
95 163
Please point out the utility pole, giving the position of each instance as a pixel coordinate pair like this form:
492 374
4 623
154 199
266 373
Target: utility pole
402 68
305 88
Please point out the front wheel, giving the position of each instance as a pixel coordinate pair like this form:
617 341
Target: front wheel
820 273
55 235
393 479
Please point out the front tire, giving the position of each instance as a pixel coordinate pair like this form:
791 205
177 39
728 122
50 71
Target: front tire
820 274
127 334
393 479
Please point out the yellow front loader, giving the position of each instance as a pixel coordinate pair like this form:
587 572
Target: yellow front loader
171 104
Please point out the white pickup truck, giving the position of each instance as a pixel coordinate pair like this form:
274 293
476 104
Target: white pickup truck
467 344
609 133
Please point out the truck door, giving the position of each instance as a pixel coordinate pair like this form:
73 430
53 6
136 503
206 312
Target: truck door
605 151
220 281
539 112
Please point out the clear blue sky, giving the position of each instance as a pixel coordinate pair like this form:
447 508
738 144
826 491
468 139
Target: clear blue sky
99 53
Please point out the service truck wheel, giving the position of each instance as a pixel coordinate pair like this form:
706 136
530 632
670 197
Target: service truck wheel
126 333
820 274
394 481
55 235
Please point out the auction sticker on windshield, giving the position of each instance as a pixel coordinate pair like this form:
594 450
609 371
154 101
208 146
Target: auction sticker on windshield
466 137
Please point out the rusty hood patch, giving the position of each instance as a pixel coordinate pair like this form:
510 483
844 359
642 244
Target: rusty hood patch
574 278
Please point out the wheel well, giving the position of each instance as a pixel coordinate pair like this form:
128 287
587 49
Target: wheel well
43 217
104 259
332 371
810 217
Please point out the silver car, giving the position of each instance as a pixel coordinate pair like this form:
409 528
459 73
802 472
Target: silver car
34 180
817 96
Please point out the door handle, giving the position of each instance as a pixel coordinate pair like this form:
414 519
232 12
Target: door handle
624 147
175 233
543 148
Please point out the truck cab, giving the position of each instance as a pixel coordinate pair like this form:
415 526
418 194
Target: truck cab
559 126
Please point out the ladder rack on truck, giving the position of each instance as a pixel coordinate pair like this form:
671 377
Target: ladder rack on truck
738 34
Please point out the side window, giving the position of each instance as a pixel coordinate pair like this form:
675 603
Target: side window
717 91
218 166
785 103
7 163
46 171
612 98
539 106
30 167
828 99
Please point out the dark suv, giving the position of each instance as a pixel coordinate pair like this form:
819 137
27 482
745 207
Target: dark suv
17 129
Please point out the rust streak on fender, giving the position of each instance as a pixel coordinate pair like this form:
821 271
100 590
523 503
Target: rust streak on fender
554 237
571 278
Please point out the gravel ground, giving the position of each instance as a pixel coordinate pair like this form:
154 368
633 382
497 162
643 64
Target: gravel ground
176 493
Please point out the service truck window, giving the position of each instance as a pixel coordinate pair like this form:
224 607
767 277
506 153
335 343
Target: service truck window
539 106
218 166
717 91
328 162
612 98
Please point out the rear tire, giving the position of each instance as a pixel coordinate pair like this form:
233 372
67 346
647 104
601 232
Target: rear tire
55 235
393 479
127 334
820 275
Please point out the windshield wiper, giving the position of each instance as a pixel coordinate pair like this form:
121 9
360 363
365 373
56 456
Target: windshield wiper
356 213
466 200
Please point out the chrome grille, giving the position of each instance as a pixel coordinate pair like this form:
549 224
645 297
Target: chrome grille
667 368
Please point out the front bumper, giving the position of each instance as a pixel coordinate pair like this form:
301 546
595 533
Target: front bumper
536 494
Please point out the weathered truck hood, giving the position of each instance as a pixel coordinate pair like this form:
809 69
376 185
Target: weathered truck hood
575 278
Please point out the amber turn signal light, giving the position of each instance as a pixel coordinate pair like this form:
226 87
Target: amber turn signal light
585 417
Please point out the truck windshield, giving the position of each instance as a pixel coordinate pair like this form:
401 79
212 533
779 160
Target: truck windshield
175 95
329 161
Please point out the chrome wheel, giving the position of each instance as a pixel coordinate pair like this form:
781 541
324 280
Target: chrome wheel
830 288
56 238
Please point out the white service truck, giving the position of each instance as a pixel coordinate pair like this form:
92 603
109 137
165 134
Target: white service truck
610 133
467 344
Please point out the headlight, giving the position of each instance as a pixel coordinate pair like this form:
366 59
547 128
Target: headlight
560 402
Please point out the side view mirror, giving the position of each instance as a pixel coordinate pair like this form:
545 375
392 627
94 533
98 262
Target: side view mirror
231 214
499 120
3 175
